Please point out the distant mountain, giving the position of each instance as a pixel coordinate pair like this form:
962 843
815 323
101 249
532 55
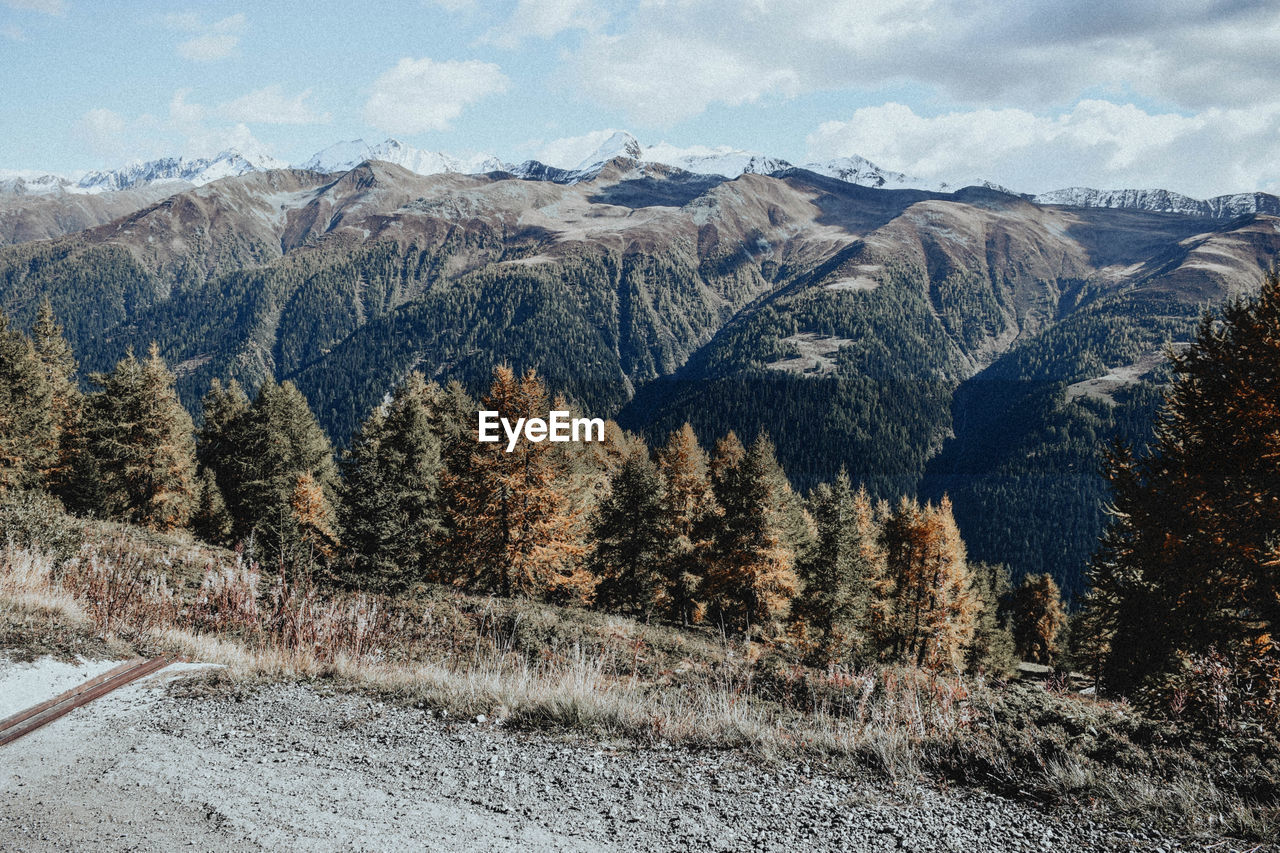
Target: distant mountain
1163 201
195 172
343 156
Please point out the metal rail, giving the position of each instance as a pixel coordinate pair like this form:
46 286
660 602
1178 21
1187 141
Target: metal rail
26 722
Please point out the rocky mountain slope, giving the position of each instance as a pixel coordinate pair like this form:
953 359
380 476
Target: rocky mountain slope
919 339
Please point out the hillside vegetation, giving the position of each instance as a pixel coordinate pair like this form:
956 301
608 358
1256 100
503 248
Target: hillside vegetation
953 331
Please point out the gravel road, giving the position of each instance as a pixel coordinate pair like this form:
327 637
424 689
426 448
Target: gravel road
290 768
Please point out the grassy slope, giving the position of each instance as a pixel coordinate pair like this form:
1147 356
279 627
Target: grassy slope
545 667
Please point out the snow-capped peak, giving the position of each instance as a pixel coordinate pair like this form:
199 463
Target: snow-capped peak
620 144
196 171
1164 201
721 160
347 155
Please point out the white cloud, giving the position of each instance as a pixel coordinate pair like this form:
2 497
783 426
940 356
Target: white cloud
1095 143
13 33
270 105
104 130
188 128
49 7
545 19
210 41
420 95
670 59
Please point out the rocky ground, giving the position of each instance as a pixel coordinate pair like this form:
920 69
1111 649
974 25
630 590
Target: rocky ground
287 767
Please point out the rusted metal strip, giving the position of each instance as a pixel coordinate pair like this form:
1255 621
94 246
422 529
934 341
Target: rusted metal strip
37 718
14 719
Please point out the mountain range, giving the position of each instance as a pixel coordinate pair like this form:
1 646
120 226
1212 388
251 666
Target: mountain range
723 161
977 343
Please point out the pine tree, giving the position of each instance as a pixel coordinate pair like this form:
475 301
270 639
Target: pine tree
1038 618
513 528
1188 564
842 572
632 540
210 521
66 402
689 506
992 650
276 442
28 429
140 440
391 501
751 578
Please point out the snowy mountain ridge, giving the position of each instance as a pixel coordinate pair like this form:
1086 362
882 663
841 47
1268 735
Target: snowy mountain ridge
620 146
1164 201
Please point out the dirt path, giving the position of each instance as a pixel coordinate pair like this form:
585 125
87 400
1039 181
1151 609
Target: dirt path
289 768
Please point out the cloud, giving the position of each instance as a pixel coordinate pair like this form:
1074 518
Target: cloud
189 127
545 19
420 95
209 41
1095 143
49 7
104 130
269 105
671 59
13 33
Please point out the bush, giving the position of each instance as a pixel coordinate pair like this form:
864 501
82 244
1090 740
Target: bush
36 521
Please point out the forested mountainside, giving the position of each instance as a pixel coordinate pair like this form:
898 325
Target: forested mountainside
974 343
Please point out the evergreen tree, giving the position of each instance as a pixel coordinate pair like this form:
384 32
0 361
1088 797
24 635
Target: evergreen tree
992 650
391 513
283 443
60 366
1038 618
210 521
28 430
513 528
140 440
225 409
689 506
260 453
839 573
751 578
1188 564
632 539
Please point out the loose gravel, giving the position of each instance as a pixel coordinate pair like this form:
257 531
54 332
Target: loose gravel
290 768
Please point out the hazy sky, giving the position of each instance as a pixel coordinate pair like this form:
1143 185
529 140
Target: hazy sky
1033 94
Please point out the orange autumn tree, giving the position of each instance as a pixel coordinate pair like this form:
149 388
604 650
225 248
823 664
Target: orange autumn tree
313 517
513 527
934 604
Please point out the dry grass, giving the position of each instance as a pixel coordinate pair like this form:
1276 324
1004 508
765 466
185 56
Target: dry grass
542 667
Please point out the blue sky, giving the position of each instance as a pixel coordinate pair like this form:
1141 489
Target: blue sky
1036 94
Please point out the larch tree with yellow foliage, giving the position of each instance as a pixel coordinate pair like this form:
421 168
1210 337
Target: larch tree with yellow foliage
934 602
513 526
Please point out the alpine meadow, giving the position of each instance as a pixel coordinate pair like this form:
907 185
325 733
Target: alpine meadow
622 495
